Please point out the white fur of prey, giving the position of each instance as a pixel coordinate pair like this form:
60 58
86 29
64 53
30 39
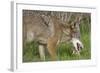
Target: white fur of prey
76 41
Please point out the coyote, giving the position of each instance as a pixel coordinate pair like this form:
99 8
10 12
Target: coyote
48 31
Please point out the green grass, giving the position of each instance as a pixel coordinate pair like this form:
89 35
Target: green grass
30 52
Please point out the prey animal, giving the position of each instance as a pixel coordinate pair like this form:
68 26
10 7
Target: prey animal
77 46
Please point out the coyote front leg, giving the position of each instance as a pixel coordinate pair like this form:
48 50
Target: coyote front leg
42 52
51 45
